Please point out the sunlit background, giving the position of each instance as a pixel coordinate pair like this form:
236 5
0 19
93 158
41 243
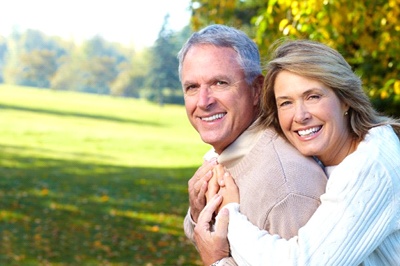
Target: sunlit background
95 146
133 23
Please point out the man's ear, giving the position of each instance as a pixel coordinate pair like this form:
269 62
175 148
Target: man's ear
257 86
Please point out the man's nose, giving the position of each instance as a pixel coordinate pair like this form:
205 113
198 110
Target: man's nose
206 98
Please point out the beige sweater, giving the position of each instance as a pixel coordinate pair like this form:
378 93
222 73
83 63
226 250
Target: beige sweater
279 188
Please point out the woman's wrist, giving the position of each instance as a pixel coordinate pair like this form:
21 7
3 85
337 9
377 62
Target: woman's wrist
215 263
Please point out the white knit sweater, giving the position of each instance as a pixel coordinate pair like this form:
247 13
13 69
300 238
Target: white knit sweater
357 223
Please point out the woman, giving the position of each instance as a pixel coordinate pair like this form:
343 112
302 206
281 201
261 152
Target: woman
313 98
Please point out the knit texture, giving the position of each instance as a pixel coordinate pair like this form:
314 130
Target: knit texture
279 188
357 223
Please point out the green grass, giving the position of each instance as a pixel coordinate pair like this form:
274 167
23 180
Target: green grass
93 180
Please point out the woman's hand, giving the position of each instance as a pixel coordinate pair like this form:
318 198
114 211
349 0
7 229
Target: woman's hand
213 186
228 190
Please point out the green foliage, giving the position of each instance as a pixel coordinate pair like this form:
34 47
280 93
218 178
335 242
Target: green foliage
164 78
236 13
93 180
366 32
3 52
30 59
95 66
38 68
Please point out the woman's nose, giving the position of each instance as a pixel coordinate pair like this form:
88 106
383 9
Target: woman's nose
302 114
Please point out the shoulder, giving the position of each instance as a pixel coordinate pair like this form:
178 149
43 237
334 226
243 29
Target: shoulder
379 149
374 164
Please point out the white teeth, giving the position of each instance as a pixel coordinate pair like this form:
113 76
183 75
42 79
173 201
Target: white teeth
213 117
308 131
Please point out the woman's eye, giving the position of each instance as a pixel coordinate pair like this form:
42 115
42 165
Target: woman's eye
284 104
314 97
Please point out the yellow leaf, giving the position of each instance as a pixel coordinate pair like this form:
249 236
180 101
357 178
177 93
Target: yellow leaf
283 24
155 228
97 244
44 192
104 198
396 87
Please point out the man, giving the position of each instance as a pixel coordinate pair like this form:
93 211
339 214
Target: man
221 77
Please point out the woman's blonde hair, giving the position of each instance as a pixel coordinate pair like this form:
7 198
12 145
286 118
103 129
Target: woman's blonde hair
319 62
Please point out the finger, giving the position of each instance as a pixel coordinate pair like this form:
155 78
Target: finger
218 170
196 186
208 211
202 191
205 168
213 187
228 180
222 221
232 191
220 175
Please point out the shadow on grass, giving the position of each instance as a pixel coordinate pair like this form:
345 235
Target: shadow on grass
71 213
76 114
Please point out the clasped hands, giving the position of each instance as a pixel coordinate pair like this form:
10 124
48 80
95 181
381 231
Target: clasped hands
211 188
209 180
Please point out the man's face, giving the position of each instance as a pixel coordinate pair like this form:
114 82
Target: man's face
219 103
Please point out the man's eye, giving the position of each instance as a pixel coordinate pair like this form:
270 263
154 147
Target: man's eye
221 83
191 89
219 86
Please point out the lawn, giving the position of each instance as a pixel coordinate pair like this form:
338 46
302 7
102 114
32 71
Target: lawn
93 180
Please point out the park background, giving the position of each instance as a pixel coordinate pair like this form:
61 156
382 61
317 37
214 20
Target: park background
96 149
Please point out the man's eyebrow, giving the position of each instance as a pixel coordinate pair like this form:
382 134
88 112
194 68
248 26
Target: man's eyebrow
186 83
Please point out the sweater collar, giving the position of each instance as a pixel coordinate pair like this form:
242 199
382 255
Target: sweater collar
239 148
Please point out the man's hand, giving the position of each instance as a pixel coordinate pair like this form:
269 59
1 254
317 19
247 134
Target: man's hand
197 188
212 245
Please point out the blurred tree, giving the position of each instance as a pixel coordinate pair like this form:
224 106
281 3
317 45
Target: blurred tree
69 75
163 75
96 66
3 52
99 72
236 13
100 65
132 76
38 67
366 32
32 59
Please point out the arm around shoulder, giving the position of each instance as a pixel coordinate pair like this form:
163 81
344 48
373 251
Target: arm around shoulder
290 214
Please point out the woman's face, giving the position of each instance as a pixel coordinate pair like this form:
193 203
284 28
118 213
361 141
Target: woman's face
312 117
